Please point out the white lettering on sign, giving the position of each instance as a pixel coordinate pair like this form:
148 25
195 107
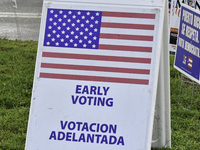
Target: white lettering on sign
189 28
181 42
192 34
183 29
187 17
197 22
191 48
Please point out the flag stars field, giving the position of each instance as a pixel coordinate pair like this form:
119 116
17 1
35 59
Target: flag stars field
79 22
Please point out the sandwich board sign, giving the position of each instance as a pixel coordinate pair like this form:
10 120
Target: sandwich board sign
187 56
96 77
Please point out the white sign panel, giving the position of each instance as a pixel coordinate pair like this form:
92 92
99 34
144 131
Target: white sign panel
96 77
119 2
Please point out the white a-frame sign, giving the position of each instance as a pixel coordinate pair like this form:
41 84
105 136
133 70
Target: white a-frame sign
102 75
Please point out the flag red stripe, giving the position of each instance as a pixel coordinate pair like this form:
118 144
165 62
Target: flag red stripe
127 26
125 48
95 68
97 57
128 15
126 37
94 78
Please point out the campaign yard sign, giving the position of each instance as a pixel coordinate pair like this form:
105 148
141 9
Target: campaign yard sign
187 56
96 77
175 15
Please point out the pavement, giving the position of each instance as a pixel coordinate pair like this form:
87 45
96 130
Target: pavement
20 19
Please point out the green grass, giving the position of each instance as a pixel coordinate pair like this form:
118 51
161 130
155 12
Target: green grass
17 62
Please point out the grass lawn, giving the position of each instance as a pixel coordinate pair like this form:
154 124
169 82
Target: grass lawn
17 63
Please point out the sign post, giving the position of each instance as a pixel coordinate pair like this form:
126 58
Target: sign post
98 74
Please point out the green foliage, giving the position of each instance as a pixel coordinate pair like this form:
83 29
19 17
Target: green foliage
17 60
173 72
17 63
13 128
185 115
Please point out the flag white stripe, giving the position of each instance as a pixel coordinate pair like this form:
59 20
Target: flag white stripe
128 20
94 73
190 60
95 63
99 52
126 42
127 31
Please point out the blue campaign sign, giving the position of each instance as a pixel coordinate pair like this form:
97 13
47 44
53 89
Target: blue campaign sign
187 55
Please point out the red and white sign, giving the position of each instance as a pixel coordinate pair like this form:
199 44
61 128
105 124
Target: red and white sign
96 77
101 44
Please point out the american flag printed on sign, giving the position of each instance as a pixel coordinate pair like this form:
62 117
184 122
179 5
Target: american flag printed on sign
98 46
